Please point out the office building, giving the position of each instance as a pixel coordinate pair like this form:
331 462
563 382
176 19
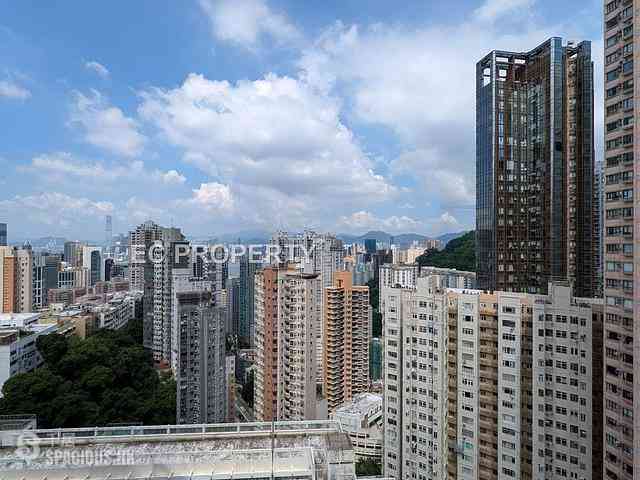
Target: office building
92 261
16 279
521 376
370 245
108 232
201 377
73 277
286 315
621 263
44 277
535 169
346 340
246 321
73 253
3 234
277 451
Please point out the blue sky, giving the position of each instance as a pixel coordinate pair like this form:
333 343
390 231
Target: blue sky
228 115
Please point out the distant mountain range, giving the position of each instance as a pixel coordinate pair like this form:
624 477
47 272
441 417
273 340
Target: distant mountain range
261 237
398 239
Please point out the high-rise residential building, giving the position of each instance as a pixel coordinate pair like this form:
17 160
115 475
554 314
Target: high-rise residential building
246 300
233 306
140 272
186 278
318 253
415 382
286 315
398 275
492 385
346 340
151 261
201 377
16 280
44 278
621 263
3 234
535 169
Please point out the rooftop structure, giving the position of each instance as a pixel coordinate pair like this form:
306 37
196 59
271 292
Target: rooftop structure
292 450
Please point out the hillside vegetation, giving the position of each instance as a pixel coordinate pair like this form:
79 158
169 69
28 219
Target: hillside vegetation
460 253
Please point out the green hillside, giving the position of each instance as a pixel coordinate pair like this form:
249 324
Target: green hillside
460 253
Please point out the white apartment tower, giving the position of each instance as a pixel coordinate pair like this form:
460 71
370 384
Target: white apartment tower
415 382
521 377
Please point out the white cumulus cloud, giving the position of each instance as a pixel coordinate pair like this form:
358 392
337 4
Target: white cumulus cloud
11 90
247 22
105 126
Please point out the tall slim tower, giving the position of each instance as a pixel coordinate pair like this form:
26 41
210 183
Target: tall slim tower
535 166
621 247
200 377
346 340
3 234
108 232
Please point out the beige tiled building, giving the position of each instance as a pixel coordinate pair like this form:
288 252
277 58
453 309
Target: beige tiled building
621 263
286 315
346 340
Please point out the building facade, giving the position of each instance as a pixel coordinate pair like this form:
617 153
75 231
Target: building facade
16 279
201 378
621 171
535 169
286 316
346 340
522 384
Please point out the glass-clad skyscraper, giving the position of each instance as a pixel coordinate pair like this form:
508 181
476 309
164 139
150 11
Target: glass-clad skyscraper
535 166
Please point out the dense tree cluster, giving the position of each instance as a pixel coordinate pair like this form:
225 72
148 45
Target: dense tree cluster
459 253
105 379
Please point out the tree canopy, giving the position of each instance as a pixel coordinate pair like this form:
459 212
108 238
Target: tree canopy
459 253
105 379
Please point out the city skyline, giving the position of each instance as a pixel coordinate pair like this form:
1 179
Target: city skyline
100 132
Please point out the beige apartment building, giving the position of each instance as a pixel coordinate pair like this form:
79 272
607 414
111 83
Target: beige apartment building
346 340
621 207
16 284
286 316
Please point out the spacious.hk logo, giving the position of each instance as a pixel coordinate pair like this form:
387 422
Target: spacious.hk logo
27 446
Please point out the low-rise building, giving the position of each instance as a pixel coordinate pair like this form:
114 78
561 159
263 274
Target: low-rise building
18 335
311 450
362 420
